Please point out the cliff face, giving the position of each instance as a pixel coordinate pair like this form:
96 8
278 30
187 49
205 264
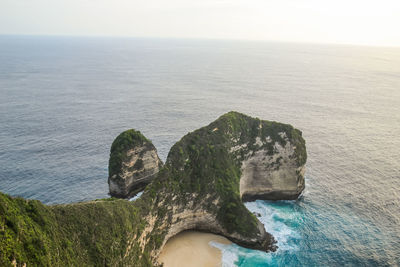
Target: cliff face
274 170
206 176
133 164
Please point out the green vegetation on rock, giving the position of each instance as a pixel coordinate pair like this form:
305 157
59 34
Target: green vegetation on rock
201 162
92 233
125 141
199 180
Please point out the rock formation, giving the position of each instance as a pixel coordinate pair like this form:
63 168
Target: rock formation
201 187
133 164
273 172
245 156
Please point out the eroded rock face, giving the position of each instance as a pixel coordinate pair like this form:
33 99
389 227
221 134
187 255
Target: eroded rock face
272 174
133 164
193 215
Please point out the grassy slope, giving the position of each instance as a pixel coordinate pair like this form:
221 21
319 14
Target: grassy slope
98 232
80 234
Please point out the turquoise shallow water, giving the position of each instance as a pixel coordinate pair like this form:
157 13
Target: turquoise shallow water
302 240
282 219
63 100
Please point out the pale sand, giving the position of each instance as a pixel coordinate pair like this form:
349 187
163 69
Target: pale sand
192 249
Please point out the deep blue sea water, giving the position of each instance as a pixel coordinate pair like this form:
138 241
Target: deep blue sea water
64 99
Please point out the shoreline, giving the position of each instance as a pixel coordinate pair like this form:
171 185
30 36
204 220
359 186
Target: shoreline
192 249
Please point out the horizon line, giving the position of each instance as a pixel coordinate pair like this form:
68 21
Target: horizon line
201 38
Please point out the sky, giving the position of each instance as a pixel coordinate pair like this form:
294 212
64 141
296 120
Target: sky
364 22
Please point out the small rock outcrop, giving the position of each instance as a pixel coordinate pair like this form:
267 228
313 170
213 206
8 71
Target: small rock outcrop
133 164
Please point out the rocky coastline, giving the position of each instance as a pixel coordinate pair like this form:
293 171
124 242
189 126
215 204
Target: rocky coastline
207 176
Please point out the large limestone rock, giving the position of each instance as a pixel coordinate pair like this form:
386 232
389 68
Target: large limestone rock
247 157
133 164
273 172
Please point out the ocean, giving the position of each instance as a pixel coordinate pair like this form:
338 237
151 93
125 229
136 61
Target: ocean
63 100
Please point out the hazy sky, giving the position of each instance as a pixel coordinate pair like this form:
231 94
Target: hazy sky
368 22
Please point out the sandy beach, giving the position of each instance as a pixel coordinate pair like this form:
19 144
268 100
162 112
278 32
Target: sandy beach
192 249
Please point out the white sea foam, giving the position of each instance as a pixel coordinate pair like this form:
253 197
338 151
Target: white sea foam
274 219
229 253
136 196
234 255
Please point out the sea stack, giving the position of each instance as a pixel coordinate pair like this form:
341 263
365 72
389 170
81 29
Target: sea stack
133 164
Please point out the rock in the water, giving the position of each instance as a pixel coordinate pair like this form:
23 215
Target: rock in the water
133 164
257 214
